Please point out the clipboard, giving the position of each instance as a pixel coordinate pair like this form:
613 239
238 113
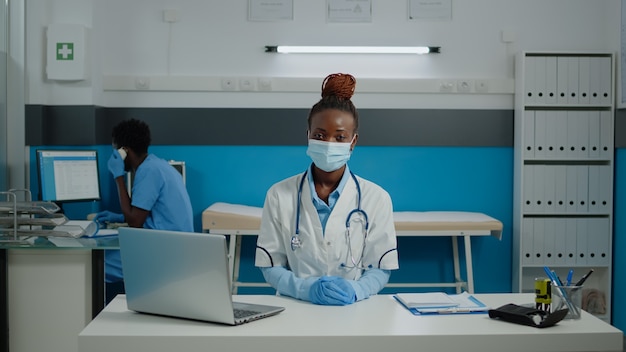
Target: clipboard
426 300
467 304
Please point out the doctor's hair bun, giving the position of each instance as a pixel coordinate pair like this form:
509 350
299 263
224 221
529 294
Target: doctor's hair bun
340 85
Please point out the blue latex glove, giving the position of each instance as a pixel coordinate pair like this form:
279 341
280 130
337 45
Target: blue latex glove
116 164
332 291
108 216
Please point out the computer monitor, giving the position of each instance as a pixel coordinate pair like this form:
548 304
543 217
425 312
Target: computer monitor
68 175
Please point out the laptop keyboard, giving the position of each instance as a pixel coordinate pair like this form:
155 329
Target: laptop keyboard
242 313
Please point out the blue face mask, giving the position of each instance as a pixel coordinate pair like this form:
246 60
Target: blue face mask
328 156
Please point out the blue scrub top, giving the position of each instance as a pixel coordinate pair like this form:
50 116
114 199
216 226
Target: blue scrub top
158 188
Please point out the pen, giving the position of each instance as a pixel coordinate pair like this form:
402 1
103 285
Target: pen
584 278
558 279
560 290
569 277
549 273
453 310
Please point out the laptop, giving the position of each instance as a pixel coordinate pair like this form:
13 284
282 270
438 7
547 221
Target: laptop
183 275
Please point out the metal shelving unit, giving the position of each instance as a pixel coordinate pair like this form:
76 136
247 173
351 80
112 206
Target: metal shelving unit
20 220
563 171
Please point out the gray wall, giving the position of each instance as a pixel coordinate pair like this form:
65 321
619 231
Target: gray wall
91 125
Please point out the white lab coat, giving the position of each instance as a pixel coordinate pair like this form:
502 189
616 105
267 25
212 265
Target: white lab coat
322 254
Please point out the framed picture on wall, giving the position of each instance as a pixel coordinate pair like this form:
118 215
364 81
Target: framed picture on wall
270 11
420 10
348 10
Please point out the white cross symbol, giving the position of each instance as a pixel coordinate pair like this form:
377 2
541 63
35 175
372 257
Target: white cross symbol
65 51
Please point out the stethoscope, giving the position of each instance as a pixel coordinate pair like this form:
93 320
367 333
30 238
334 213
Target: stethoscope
297 243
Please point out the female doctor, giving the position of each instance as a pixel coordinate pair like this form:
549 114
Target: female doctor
327 236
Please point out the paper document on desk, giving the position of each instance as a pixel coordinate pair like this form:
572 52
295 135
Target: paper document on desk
77 228
463 303
426 300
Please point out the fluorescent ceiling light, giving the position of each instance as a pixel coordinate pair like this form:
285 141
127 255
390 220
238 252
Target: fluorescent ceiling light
285 49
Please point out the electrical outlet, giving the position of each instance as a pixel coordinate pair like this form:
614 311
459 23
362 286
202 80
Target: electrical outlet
247 83
170 15
446 86
481 86
464 86
508 36
265 84
229 83
142 83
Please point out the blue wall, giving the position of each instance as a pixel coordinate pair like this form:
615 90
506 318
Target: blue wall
417 178
619 242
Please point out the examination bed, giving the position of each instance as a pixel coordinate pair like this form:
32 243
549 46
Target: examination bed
237 220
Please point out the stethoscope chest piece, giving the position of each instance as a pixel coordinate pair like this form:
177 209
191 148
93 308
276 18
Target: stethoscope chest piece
295 242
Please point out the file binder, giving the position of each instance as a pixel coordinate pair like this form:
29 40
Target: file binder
527 241
572 80
539 188
582 126
561 134
606 136
551 79
594 134
540 134
594 80
606 194
529 134
606 75
583 79
571 188
560 189
528 190
562 79
582 233
538 241
560 241
572 135
549 245
551 135
598 244
583 188
594 189
540 79
571 243
549 195
529 75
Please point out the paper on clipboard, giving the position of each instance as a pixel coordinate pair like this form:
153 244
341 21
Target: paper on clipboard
465 303
426 300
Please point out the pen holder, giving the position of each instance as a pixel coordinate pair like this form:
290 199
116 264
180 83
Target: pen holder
569 297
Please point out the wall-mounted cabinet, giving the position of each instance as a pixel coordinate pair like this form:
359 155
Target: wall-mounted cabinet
563 171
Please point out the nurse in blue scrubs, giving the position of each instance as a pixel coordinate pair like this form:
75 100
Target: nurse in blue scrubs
159 197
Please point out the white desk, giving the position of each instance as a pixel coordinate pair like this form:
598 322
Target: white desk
236 220
376 324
